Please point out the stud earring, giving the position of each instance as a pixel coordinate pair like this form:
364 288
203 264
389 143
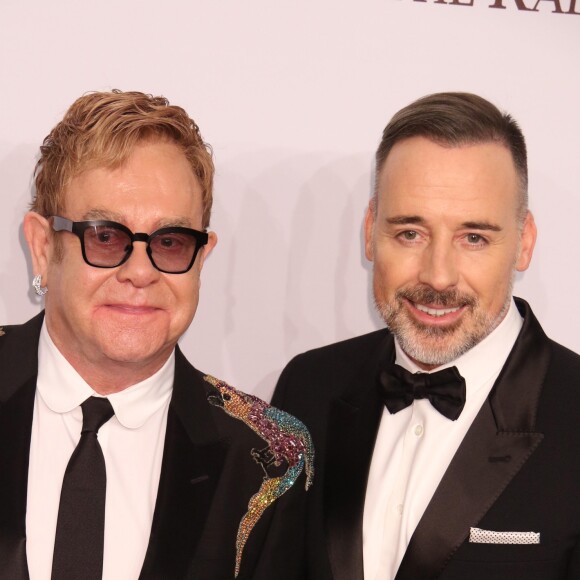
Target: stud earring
40 290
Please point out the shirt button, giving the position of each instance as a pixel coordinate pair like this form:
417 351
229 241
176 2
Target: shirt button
400 508
418 430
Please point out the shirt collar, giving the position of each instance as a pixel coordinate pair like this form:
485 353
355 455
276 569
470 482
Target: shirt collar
485 360
63 389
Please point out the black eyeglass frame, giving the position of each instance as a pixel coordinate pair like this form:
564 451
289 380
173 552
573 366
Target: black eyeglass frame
60 224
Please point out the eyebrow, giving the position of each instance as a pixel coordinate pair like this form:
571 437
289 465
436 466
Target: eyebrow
403 220
486 226
101 214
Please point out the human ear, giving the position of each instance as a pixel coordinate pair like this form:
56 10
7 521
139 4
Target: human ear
369 226
527 242
38 237
206 250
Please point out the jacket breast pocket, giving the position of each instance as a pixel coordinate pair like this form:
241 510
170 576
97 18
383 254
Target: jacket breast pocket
507 562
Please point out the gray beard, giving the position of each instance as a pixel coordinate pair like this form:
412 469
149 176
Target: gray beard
437 346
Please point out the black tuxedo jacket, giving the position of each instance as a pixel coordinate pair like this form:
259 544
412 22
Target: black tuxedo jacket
517 469
207 479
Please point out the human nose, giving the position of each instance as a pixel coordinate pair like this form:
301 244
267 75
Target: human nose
138 269
439 266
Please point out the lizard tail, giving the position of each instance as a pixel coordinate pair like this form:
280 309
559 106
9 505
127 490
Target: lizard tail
270 490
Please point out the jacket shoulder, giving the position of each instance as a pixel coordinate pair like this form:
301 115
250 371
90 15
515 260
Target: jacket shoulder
561 386
566 358
29 329
322 373
18 353
344 350
340 359
10 331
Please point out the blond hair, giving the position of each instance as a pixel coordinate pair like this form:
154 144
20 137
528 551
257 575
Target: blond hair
101 129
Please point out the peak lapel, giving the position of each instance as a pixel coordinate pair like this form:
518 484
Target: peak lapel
352 430
484 464
499 442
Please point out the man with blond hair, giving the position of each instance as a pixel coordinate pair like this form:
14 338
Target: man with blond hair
448 442
118 459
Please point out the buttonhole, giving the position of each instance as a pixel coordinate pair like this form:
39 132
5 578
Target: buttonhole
500 459
198 479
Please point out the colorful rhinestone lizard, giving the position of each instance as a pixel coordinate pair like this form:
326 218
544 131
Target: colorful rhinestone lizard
288 440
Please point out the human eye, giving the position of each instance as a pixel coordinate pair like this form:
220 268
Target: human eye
105 236
172 242
408 236
475 240
167 242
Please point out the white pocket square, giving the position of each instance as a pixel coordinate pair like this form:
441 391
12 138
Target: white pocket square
479 536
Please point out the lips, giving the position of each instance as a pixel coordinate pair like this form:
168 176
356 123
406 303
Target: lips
437 312
132 308
435 315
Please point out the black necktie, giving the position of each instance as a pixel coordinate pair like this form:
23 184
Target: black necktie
78 546
445 389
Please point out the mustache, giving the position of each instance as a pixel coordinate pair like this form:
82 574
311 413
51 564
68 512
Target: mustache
445 298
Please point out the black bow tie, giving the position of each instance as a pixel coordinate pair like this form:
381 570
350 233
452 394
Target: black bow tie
445 389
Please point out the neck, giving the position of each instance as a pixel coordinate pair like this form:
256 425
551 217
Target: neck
423 366
116 377
107 376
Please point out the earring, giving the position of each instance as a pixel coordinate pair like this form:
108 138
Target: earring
40 290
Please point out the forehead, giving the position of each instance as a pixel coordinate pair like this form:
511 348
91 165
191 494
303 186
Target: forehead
154 184
421 173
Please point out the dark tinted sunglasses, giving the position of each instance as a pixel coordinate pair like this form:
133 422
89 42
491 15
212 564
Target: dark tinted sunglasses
107 244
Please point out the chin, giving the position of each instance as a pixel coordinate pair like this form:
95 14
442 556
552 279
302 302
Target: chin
133 347
434 354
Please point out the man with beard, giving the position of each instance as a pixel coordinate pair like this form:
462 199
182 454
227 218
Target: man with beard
448 443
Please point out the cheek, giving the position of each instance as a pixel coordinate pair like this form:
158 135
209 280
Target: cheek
69 284
491 280
69 271
185 300
392 270
72 300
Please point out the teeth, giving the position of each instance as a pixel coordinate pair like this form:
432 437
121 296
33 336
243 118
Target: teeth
436 312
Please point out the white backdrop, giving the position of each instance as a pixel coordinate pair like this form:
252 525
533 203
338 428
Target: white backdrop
293 96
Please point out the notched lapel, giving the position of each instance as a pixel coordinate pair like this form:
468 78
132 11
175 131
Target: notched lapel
484 464
188 478
193 458
497 445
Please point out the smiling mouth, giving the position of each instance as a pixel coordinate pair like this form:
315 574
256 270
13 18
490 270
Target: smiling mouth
129 306
436 312
130 309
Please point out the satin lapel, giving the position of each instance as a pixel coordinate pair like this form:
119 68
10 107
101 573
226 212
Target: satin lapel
193 457
353 423
19 367
499 442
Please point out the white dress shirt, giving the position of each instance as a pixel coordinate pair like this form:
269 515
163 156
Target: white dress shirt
132 443
414 448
